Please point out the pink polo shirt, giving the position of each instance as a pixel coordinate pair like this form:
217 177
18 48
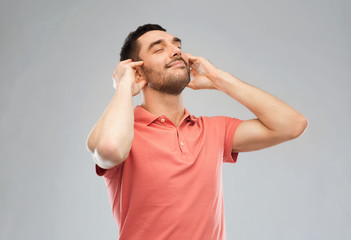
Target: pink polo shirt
170 186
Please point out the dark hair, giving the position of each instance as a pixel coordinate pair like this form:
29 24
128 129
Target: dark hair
130 48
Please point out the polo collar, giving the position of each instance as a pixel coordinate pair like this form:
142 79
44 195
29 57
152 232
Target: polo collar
141 115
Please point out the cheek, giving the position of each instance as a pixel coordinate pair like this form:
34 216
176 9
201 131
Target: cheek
151 68
155 63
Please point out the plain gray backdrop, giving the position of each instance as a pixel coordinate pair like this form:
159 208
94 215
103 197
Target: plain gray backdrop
57 59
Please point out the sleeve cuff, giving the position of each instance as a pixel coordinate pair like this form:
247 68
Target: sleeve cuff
107 172
100 171
229 156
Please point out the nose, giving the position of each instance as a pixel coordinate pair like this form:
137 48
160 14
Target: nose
175 51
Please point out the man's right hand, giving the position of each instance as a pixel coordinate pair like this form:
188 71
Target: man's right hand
111 138
127 72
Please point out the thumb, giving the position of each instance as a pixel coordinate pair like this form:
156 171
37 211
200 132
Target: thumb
141 84
192 85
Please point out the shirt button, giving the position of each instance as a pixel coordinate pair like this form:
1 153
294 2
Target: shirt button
181 143
163 120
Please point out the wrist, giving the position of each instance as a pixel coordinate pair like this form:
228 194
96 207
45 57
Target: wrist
124 86
225 80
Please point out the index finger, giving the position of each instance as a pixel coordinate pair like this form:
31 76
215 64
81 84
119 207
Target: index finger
136 64
125 61
191 57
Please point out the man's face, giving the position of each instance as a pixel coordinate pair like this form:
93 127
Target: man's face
165 67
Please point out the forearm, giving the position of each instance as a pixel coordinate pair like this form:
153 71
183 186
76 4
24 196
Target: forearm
273 113
111 138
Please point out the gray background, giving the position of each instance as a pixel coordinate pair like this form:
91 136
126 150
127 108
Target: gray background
57 58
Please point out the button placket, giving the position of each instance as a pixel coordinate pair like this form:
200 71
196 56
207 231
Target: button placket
185 154
180 141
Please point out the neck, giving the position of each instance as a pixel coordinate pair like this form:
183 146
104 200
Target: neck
163 104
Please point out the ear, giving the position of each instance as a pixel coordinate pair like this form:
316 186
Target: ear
140 76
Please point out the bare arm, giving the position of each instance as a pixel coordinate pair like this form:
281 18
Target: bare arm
276 121
111 138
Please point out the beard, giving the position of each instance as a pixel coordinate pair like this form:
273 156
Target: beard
169 81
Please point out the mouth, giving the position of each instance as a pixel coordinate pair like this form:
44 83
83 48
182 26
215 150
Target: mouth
177 63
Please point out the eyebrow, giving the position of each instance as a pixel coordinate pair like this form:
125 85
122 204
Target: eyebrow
174 40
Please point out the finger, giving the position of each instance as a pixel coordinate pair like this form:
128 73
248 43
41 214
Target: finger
193 61
121 63
191 85
126 61
193 72
198 68
136 64
114 75
142 84
191 57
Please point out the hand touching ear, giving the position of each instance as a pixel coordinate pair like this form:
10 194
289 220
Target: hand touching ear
205 74
127 72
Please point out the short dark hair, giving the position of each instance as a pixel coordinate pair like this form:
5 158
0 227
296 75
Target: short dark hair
130 48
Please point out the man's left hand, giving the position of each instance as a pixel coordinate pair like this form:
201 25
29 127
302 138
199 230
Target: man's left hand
205 74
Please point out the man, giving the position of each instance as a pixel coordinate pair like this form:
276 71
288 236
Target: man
163 166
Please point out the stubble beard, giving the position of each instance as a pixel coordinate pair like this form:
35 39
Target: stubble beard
166 81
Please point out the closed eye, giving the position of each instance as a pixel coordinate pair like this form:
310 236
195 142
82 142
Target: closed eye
178 45
159 50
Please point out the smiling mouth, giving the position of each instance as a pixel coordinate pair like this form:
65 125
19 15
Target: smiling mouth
178 63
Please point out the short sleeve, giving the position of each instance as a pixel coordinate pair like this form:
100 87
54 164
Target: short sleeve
107 172
231 124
